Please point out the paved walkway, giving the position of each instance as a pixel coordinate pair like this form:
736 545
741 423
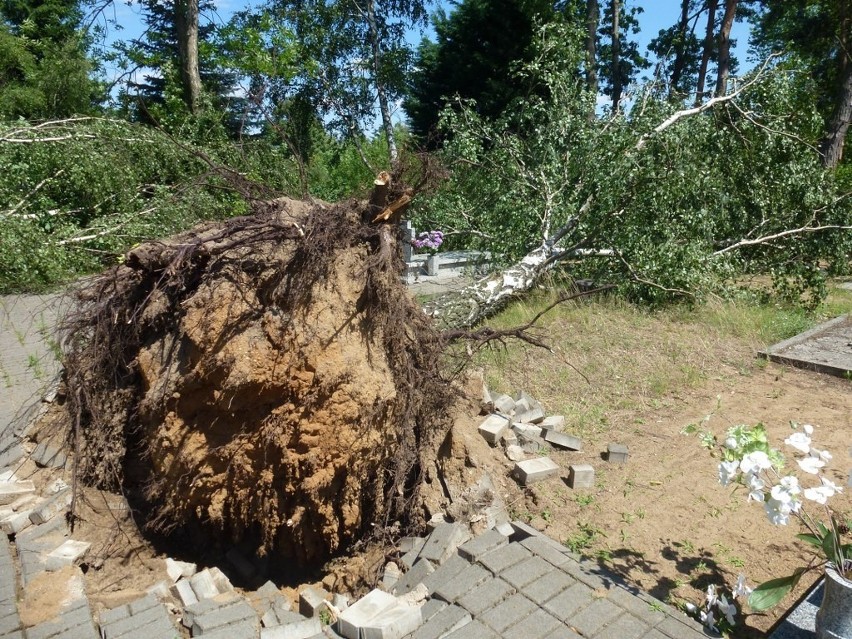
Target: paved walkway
509 583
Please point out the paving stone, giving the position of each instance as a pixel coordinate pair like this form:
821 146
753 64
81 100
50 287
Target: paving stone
506 613
616 453
407 544
532 444
527 430
680 627
588 574
594 616
146 623
203 585
16 523
359 614
562 440
464 582
526 571
200 608
11 491
624 627
635 605
220 580
531 401
581 476
77 616
11 455
565 604
442 542
184 593
390 575
443 623
504 404
312 601
235 613
493 428
535 470
451 568
563 632
9 624
112 615
160 628
548 549
302 629
515 453
69 553
485 596
531 416
36 533
431 608
54 505
393 624
535 626
244 629
413 553
49 454
553 422
473 630
498 560
416 575
176 569
481 544
548 586
14 634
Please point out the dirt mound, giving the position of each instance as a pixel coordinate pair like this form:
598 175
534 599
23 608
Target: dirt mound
266 380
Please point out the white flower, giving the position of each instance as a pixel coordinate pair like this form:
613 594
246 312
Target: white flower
709 620
824 455
799 441
790 483
727 609
755 462
810 464
741 590
727 471
756 487
820 494
731 443
711 597
779 506
830 484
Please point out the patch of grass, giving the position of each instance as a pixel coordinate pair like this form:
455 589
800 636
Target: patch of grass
583 538
34 365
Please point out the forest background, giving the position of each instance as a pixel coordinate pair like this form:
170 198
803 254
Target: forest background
672 169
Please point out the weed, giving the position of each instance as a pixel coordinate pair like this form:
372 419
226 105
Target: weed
547 515
736 562
701 566
583 538
584 500
688 546
34 365
655 606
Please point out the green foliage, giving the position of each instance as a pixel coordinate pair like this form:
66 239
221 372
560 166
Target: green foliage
676 213
770 593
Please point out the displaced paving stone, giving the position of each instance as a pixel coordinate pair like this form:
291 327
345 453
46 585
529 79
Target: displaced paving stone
493 428
234 614
581 476
413 552
553 422
445 573
363 611
184 592
486 404
393 624
11 455
442 542
301 629
527 430
535 470
49 455
418 574
51 507
481 544
203 585
177 569
616 453
220 580
11 491
312 601
443 623
390 575
75 620
16 522
144 618
504 404
69 553
561 440
531 416
529 400
200 608
431 608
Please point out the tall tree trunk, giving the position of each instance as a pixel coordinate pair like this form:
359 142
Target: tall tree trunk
680 48
725 47
835 136
186 24
384 107
592 17
616 55
707 51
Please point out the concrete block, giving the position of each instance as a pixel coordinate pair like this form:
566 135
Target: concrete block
234 614
548 549
581 476
363 611
527 430
561 440
407 544
16 522
443 623
390 575
220 580
616 453
486 542
515 453
566 603
48 454
505 529
69 553
531 444
431 608
547 586
201 608
504 404
122 626
530 401
341 602
11 491
411 555
176 569
245 629
553 422
138 606
534 470
183 591
312 601
442 542
531 416
203 585
160 589
521 405
445 573
393 624
493 428
51 507
418 573
301 629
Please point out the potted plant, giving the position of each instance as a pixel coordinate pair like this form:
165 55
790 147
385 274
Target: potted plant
748 460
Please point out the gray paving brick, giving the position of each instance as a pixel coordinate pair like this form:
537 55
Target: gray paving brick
486 542
588 574
539 624
625 626
441 544
232 614
8 587
8 608
683 628
160 628
14 634
526 571
563 632
143 604
451 568
431 608
486 595
122 626
547 549
636 605
85 630
9 623
507 613
566 603
114 614
418 573
464 582
548 586
72 618
449 619
498 560
594 616
474 630
245 629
